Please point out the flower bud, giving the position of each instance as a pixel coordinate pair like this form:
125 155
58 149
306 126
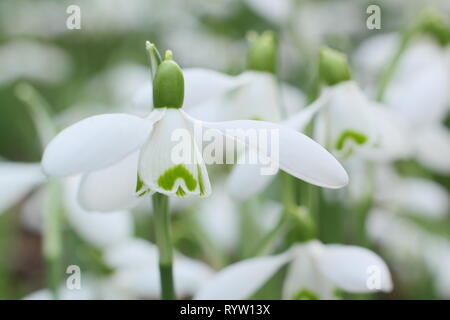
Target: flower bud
333 67
262 54
168 84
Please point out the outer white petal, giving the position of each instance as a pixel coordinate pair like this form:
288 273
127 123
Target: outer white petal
304 274
419 88
415 196
298 155
190 275
299 120
170 162
94 143
202 85
99 229
112 188
17 180
259 98
293 100
351 268
275 11
132 252
433 148
240 280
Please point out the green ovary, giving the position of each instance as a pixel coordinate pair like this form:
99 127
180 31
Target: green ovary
358 137
170 176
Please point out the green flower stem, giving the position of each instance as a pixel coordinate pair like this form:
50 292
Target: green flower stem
164 243
52 237
39 111
407 36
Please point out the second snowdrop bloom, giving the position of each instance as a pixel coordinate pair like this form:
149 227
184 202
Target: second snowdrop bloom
139 155
315 271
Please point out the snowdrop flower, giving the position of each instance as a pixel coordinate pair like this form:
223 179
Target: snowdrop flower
418 93
345 122
256 94
107 146
136 272
315 271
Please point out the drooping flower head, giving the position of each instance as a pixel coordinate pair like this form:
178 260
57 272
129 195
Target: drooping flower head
124 156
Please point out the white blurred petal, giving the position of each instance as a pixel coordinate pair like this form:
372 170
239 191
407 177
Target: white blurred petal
94 143
304 273
419 87
202 85
17 180
433 148
242 279
350 268
99 229
275 11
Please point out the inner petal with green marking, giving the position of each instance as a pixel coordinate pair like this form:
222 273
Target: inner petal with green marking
169 178
350 135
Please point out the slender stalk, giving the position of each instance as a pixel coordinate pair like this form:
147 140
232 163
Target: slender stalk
164 242
52 237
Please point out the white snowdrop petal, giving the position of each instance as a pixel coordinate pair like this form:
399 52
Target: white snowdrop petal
275 11
355 269
419 87
240 280
94 143
419 196
247 102
298 155
433 148
303 277
132 252
170 162
17 180
202 85
112 188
